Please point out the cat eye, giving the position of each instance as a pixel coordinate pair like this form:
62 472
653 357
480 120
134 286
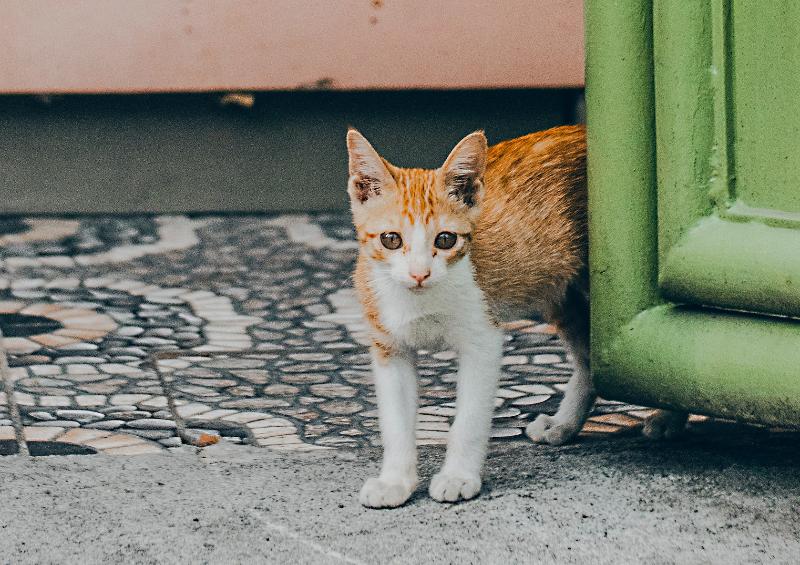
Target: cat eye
391 240
445 240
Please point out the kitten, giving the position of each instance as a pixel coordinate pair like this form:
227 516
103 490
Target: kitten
496 234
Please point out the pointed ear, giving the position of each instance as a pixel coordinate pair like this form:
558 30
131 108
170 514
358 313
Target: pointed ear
464 168
369 176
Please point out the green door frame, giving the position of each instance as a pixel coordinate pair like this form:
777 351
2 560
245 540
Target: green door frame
645 348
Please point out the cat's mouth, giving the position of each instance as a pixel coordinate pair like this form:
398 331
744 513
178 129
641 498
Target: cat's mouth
418 288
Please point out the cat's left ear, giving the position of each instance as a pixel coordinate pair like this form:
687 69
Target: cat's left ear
464 168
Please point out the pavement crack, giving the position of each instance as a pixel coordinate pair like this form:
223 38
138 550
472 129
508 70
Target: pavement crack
288 532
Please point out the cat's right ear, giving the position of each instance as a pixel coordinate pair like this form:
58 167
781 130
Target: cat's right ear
369 176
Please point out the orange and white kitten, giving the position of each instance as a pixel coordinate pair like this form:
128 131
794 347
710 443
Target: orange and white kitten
495 234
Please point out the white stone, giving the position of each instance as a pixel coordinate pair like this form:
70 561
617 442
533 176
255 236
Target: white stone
546 358
81 369
531 400
515 360
44 370
52 400
133 399
119 369
90 400
130 331
533 389
190 410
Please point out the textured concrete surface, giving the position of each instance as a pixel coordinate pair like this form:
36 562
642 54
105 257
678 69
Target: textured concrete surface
722 498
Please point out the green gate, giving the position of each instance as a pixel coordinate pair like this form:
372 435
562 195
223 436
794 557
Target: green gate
694 197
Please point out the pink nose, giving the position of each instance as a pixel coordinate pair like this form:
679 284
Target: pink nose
419 277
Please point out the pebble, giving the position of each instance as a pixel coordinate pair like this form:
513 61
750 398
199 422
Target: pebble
153 341
119 408
171 442
505 432
152 424
531 400
80 360
43 381
106 425
150 434
507 413
254 403
130 331
58 424
233 363
82 346
333 390
83 416
305 378
281 390
311 356
341 407
546 358
130 415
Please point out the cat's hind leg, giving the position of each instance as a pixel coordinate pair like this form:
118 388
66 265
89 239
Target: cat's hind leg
396 387
665 424
580 394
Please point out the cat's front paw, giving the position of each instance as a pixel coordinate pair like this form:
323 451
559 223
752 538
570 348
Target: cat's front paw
452 487
551 430
386 493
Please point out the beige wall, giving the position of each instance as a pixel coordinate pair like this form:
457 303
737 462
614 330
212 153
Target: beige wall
197 45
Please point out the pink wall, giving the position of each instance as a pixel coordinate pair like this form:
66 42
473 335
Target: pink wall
191 45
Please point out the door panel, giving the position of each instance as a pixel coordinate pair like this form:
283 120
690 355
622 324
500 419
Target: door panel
728 161
684 214
764 86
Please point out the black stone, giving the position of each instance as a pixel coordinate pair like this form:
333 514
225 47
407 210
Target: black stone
13 225
43 448
21 325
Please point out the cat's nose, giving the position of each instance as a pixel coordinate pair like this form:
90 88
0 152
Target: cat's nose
420 277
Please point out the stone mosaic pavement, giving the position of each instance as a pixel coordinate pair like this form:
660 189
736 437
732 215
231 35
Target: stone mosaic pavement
124 335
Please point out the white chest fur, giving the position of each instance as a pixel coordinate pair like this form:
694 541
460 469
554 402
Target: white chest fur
445 313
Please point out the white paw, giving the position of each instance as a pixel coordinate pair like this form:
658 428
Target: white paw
664 424
452 487
386 493
550 430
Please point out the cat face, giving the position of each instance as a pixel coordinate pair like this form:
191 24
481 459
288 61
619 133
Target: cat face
414 224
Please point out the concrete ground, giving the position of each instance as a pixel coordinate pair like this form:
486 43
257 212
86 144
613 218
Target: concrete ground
713 498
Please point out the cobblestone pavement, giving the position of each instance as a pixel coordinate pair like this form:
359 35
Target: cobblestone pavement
86 303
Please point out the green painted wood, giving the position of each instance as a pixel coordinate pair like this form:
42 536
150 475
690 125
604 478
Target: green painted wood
713 249
717 363
705 163
622 199
684 116
765 82
747 266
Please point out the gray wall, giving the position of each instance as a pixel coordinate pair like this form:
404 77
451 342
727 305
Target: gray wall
186 153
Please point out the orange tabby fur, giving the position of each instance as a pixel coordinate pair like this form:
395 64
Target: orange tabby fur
528 242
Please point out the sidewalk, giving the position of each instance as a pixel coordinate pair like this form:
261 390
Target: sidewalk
600 501
86 304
